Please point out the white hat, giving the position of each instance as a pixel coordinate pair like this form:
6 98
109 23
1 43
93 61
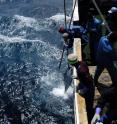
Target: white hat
72 59
113 9
65 35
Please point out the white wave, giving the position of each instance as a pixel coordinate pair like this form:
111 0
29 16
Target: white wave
47 51
52 78
55 81
37 25
59 17
25 21
8 39
60 92
69 92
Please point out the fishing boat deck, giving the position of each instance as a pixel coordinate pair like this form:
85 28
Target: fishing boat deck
80 106
80 103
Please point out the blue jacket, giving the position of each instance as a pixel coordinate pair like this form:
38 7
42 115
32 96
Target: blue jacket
96 23
104 52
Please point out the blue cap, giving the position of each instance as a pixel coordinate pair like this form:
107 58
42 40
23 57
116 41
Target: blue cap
113 10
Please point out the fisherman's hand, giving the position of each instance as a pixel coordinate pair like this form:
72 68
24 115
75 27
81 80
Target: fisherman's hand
96 117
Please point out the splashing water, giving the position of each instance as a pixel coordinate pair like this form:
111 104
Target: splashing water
30 82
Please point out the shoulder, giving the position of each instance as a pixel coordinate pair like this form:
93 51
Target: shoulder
103 39
82 63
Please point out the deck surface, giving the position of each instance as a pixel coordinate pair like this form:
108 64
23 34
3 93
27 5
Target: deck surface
80 105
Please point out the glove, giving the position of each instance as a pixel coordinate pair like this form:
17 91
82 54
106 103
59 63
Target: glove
96 117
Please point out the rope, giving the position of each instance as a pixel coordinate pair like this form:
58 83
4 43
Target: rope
72 13
65 14
101 15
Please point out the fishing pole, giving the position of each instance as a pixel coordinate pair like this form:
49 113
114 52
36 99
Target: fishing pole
61 57
101 15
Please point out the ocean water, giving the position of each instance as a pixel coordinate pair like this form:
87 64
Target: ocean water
32 88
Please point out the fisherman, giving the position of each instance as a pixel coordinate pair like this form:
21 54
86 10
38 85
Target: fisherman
85 87
94 27
107 57
106 108
112 18
74 32
82 73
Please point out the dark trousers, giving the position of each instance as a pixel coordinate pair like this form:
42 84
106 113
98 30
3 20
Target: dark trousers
111 70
